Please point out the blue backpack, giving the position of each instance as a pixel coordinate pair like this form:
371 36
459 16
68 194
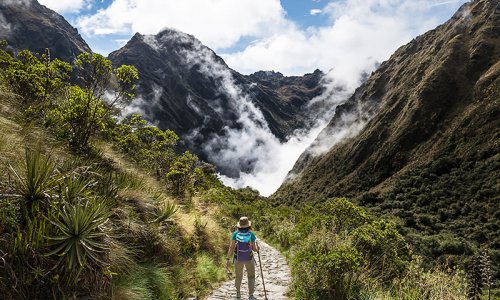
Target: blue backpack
243 246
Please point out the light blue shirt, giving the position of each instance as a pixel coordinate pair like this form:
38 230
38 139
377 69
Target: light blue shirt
252 236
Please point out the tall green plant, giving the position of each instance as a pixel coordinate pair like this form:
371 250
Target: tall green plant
326 266
73 188
79 235
164 212
35 182
36 80
181 172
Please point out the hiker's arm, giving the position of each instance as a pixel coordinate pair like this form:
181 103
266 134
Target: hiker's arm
255 246
232 246
230 254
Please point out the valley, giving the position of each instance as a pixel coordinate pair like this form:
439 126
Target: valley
124 175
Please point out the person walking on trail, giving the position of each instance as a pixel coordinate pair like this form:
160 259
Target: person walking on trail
242 245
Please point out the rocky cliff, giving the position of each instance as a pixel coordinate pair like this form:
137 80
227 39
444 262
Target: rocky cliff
26 24
186 87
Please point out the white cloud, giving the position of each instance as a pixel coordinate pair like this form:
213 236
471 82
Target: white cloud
5 26
217 23
64 6
315 11
360 33
121 42
245 148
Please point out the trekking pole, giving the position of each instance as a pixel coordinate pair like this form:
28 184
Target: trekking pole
261 272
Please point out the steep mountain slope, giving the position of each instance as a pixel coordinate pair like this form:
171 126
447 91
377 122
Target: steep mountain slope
186 87
420 138
26 24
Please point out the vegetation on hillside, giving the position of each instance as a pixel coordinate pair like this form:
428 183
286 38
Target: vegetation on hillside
95 205
429 154
80 213
338 250
442 221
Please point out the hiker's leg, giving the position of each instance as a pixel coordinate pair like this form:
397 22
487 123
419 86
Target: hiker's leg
250 265
238 270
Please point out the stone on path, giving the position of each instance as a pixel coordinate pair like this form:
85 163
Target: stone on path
276 276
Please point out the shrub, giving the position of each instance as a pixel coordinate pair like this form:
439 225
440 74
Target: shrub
181 173
35 80
326 266
85 112
338 214
385 251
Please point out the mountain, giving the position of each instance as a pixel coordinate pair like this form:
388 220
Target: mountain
420 138
188 88
26 24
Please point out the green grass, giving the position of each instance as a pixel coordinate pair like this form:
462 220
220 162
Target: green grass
208 272
145 282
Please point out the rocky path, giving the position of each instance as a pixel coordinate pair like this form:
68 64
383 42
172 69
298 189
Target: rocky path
276 275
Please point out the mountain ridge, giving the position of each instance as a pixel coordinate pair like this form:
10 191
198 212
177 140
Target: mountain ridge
427 151
26 24
189 88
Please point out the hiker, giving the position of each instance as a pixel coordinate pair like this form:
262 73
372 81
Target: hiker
242 245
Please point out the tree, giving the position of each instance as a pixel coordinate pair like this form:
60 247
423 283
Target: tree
181 173
475 279
486 272
147 144
102 89
37 81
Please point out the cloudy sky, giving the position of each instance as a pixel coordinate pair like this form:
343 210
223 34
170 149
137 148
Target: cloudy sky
290 36
344 38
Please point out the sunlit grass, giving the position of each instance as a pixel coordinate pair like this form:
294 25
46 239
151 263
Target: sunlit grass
208 272
145 282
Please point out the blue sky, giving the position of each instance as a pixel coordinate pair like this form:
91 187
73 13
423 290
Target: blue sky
300 12
292 36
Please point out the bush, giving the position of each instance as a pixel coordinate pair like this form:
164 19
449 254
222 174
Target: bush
386 253
338 214
326 266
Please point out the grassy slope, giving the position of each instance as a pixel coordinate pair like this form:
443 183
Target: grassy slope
430 155
178 259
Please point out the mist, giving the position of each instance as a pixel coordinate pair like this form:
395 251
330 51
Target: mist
5 26
262 162
245 150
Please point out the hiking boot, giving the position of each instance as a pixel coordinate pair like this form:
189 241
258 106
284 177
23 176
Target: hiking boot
238 295
252 298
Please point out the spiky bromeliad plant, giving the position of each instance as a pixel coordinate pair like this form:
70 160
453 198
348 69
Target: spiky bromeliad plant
34 182
79 235
164 212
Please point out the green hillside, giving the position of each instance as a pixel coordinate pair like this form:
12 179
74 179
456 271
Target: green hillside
428 155
80 213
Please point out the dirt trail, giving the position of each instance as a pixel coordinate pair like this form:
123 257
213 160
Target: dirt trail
276 276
